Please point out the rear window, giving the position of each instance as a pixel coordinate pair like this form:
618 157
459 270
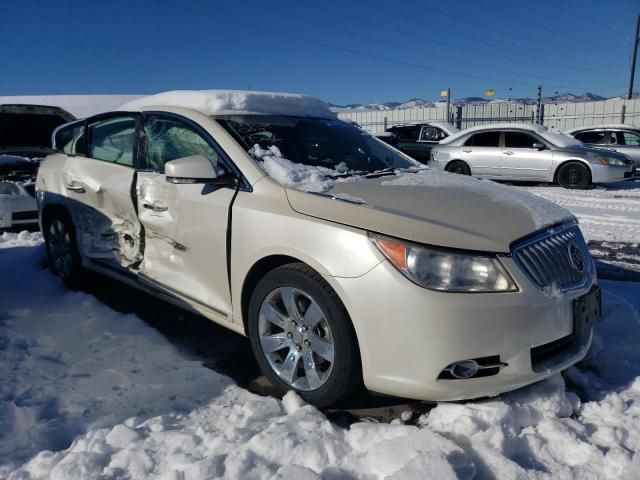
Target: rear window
70 139
484 139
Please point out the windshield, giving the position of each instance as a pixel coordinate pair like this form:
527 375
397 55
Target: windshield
316 142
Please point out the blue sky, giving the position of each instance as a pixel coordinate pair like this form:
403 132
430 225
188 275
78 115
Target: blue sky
344 51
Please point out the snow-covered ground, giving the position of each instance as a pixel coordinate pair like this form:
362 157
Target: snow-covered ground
608 212
87 392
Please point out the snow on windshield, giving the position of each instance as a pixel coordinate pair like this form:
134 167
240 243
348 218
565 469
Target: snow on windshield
543 212
213 102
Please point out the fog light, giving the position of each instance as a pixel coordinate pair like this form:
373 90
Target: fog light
464 369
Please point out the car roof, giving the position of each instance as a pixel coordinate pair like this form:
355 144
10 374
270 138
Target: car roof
606 126
447 127
560 140
234 102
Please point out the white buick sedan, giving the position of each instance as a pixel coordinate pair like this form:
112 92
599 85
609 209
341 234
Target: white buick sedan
344 261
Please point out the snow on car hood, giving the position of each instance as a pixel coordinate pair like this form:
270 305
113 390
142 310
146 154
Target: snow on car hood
435 208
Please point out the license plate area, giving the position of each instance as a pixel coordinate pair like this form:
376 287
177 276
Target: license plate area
587 310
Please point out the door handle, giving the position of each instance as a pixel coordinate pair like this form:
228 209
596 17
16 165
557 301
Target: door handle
76 188
155 208
508 152
467 151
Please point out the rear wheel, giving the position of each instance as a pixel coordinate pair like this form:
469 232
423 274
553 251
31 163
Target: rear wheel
574 175
62 249
458 166
302 336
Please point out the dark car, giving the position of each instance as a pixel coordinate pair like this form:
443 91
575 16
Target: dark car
417 139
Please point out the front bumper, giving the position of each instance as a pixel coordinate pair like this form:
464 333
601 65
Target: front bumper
408 335
610 173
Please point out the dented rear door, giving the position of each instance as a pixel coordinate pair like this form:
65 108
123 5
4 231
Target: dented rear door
185 225
98 188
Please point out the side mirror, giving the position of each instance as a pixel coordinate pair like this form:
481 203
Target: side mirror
539 146
196 169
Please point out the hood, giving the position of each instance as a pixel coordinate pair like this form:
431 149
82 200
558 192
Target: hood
27 129
609 151
434 208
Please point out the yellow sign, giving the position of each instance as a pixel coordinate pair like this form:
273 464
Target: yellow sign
490 92
444 93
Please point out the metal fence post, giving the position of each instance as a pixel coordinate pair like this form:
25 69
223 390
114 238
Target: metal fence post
623 112
458 114
385 124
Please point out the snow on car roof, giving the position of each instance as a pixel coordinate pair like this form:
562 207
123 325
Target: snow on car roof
558 139
620 126
221 102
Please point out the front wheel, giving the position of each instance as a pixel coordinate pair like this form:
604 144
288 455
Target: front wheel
62 249
302 336
458 166
574 175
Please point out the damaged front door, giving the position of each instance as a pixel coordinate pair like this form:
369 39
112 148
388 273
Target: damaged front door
185 225
98 182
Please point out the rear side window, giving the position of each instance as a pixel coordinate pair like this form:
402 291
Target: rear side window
625 138
484 139
112 140
169 139
590 137
519 140
432 134
70 139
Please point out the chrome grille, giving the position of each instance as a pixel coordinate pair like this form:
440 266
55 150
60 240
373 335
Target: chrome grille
554 257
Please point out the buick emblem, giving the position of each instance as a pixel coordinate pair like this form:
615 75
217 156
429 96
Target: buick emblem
575 257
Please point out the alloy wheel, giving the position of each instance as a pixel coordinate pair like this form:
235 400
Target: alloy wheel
296 339
60 248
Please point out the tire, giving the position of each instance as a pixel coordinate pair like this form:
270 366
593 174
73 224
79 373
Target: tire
574 175
302 337
458 166
62 248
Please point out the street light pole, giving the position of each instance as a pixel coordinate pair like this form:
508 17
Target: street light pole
633 59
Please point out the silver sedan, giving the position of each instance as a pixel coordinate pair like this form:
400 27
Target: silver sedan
619 137
529 153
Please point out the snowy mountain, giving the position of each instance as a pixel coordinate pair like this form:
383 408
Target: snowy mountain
419 102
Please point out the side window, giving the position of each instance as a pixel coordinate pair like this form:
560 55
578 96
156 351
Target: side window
409 134
484 139
70 139
625 138
112 140
596 138
519 140
169 139
431 134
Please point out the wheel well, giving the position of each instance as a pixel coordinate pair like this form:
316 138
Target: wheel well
555 174
49 210
259 270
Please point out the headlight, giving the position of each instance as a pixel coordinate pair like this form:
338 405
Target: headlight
605 160
445 270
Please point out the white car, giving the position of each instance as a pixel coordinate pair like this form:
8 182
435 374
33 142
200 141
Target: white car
18 207
343 260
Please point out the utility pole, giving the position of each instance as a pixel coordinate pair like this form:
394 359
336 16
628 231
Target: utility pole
448 105
539 105
633 59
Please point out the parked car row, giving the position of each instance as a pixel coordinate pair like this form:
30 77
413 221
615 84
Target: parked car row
521 152
342 260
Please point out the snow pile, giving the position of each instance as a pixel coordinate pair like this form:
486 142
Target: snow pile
220 102
543 212
290 174
22 239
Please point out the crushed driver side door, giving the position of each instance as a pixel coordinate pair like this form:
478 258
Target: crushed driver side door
185 225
